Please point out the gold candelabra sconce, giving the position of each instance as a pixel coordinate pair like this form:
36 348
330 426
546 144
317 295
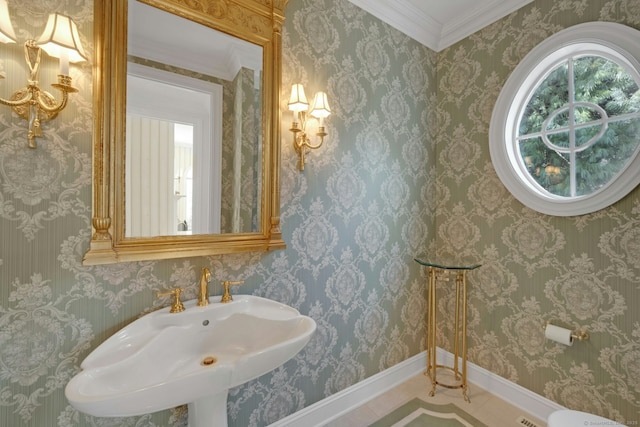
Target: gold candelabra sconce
59 39
300 106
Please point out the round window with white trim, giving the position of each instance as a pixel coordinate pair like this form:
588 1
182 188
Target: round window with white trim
565 131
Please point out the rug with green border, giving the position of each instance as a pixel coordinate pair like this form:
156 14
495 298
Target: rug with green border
418 413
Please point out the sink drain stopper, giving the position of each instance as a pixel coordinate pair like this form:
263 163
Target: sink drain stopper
209 360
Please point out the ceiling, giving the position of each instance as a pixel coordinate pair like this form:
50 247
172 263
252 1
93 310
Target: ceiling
438 24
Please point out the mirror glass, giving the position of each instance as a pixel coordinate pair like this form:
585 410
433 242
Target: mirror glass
186 150
193 159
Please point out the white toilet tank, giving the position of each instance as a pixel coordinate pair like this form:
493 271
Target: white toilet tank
569 418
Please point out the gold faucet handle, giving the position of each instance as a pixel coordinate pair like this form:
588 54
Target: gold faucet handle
177 305
226 296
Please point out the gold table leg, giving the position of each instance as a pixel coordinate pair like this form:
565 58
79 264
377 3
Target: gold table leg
431 331
459 369
461 280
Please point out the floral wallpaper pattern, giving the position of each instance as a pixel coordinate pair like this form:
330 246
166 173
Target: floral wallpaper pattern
405 170
578 272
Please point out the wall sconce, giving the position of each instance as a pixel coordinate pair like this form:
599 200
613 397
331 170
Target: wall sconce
60 39
299 105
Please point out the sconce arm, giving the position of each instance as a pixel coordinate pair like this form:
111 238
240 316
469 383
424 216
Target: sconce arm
28 96
302 144
321 133
53 109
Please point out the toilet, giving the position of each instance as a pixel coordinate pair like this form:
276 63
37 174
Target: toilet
569 418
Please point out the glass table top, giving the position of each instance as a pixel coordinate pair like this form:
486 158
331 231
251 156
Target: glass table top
446 264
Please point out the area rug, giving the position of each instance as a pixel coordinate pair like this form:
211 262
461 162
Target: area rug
418 413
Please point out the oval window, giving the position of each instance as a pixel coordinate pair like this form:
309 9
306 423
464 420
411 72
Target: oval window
565 132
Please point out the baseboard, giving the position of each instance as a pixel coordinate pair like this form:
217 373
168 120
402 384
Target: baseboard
350 398
518 396
358 394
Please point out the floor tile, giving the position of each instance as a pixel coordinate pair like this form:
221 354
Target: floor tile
484 406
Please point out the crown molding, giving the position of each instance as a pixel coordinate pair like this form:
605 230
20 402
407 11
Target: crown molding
405 17
475 19
418 24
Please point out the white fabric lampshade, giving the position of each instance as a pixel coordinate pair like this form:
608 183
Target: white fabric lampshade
321 107
298 100
7 34
59 35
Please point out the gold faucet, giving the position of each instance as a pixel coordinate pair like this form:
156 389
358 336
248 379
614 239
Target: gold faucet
203 294
226 296
177 305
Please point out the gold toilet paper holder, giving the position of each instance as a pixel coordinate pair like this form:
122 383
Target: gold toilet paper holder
577 334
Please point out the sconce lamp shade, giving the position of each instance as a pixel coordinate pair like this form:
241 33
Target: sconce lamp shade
298 101
320 106
7 35
61 36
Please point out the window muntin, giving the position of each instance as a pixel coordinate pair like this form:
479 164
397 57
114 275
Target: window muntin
580 126
565 133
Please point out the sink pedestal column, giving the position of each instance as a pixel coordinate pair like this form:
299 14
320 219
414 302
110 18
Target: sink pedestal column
210 411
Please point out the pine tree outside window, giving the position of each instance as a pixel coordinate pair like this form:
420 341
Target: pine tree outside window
565 133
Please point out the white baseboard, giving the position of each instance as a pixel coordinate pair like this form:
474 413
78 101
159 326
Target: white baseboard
358 394
350 398
518 396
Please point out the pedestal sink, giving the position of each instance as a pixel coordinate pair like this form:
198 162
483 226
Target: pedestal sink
163 359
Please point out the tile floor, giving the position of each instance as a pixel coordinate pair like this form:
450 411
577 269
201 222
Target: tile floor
484 406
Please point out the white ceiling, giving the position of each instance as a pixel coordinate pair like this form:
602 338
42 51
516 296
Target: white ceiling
438 24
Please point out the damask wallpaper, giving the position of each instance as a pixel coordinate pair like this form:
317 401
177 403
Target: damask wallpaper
579 272
405 170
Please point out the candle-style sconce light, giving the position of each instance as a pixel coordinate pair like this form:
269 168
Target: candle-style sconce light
300 106
59 39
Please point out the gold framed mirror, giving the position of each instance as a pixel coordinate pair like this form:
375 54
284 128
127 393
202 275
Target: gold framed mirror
235 165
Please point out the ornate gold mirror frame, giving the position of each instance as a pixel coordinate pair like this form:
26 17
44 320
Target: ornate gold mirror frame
256 21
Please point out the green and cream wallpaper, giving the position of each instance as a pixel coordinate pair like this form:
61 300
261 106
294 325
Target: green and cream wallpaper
579 272
405 170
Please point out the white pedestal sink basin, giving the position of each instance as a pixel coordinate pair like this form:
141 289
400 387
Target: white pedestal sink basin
163 359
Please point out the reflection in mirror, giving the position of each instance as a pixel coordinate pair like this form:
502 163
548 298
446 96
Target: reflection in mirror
193 128
207 180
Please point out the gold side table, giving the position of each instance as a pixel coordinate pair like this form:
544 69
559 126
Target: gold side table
441 272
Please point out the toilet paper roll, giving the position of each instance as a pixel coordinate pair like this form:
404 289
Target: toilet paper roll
558 334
